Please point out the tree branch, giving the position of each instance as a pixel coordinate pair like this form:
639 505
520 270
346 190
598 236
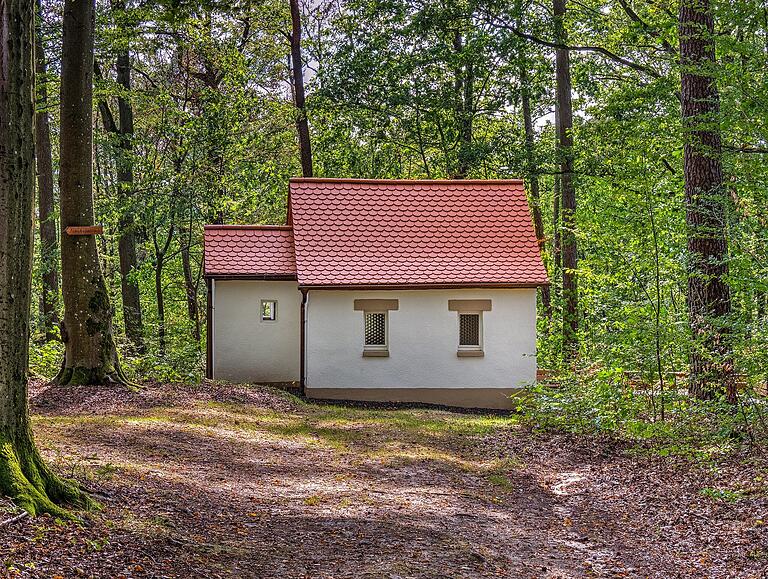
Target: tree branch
647 28
596 49
746 149
107 118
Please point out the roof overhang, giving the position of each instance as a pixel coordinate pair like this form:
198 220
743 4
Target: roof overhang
424 286
249 277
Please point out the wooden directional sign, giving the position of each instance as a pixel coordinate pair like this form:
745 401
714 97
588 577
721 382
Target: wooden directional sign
84 230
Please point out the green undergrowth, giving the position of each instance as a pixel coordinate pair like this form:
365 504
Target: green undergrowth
603 403
183 363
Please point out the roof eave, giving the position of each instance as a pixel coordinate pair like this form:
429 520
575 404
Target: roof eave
412 286
250 276
212 227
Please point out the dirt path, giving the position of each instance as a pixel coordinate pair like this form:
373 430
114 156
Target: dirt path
220 481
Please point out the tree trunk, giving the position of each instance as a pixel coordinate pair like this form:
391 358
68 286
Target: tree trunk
48 240
709 299
532 176
160 254
464 97
299 97
159 263
24 476
190 284
567 188
90 353
127 242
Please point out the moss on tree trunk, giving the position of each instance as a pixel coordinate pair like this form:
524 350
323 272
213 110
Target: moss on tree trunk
27 480
24 476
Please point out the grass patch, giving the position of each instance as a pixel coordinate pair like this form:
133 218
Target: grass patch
313 501
723 495
501 481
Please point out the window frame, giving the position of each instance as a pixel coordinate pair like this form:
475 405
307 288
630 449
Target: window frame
470 350
262 319
377 350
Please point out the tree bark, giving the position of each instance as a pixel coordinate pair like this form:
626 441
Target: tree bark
126 247
190 284
159 263
556 225
299 97
464 97
532 176
24 476
567 188
160 254
709 299
90 353
49 244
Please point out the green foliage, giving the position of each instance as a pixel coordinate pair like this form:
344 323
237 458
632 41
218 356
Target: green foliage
45 359
182 362
609 402
597 405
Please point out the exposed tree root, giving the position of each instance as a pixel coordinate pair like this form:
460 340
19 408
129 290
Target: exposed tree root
81 376
31 485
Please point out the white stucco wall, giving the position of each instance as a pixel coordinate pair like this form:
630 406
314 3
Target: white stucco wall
245 349
423 340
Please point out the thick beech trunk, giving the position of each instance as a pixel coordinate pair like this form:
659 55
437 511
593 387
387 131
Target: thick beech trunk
299 97
90 353
48 239
709 299
24 477
567 188
532 176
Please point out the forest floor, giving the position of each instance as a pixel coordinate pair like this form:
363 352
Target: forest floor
220 480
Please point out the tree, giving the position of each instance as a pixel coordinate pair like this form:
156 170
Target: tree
44 156
706 199
567 187
299 98
464 86
532 176
129 287
24 475
90 354
122 135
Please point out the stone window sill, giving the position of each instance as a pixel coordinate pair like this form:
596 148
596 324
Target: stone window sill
375 353
470 354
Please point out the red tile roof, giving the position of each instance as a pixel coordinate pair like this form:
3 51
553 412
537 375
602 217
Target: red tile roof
386 233
248 250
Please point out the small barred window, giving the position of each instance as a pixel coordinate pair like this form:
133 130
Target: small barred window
469 330
375 329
